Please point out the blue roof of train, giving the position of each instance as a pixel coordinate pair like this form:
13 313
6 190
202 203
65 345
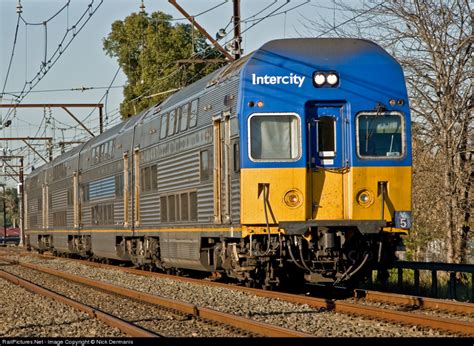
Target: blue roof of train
368 76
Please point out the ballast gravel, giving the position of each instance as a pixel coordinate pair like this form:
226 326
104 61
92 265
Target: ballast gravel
27 314
273 311
165 322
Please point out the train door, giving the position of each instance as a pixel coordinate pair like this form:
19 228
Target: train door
327 160
221 173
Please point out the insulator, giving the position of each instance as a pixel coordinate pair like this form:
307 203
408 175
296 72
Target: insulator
19 8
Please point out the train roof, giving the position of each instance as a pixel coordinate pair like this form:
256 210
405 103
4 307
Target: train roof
335 50
311 51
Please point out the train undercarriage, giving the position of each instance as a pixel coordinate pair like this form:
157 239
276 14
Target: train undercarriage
322 255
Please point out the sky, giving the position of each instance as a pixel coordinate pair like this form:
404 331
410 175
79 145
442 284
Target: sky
84 63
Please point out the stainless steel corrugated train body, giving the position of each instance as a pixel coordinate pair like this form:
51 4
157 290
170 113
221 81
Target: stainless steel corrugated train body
291 163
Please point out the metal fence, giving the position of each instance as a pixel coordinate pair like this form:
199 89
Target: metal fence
434 268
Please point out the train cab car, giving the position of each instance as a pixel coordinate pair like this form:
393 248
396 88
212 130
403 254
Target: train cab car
326 154
292 163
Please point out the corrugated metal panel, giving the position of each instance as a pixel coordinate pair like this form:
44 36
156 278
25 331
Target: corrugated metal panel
86 216
235 201
205 203
118 212
59 200
178 174
70 218
180 246
102 189
150 209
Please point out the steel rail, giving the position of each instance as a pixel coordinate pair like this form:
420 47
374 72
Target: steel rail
336 306
205 313
454 326
422 302
110 320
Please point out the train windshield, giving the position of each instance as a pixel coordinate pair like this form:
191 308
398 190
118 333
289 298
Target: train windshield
274 137
380 135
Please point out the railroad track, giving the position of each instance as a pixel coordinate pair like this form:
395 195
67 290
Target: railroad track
232 324
451 325
112 321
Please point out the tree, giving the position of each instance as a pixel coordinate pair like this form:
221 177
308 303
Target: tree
11 208
432 41
147 48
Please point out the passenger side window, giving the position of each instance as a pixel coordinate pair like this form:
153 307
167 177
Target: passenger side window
164 126
184 117
179 114
194 113
204 165
171 122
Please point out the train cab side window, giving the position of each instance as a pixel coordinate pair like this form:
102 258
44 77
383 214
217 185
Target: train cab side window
326 136
380 135
183 124
194 113
274 137
172 122
164 126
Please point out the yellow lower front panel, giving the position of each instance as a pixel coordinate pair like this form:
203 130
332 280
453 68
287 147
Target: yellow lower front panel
397 197
278 181
336 194
325 194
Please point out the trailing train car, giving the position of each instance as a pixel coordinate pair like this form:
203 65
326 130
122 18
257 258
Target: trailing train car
291 163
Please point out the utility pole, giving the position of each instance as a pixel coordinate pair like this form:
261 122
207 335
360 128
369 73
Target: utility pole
237 38
4 216
21 197
201 29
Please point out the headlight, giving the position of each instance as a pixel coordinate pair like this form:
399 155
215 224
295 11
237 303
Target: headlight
365 198
293 198
332 79
319 79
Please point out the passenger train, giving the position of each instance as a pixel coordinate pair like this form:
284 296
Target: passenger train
290 164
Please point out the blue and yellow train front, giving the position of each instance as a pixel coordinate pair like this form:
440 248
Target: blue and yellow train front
326 155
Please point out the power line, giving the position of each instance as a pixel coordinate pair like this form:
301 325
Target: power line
81 89
49 19
47 65
11 57
272 14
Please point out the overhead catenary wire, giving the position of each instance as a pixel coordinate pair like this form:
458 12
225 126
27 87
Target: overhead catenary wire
50 18
11 57
272 14
61 48
205 53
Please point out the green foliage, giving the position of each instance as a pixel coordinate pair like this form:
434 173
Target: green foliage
147 48
11 208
